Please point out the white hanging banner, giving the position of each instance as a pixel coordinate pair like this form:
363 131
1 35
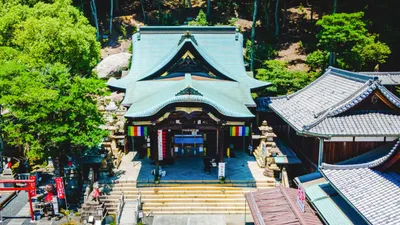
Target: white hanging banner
160 144
221 170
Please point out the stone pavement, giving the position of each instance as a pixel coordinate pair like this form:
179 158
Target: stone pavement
241 168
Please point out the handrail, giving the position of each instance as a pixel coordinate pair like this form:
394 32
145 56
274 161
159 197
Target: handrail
121 202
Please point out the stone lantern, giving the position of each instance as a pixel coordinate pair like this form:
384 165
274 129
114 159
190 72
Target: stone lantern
266 141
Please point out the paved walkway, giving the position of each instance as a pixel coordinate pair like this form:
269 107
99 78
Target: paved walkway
241 168
128 213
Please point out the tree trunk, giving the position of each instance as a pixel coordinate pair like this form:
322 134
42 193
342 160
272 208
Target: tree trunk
276 18
111 16
143 12
208 9
94 12
190 3
159 12
284 12
266 12
334 6
116 5
253 36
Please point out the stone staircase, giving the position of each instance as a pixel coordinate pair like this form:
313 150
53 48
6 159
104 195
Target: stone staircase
183 198
92 209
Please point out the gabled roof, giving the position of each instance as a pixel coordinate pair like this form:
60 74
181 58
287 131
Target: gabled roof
321 108
386 78
374 194
153 47
156 49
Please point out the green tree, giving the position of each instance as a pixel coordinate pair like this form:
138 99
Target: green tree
346 35
49 110
253 36
50 33
201 20
283 81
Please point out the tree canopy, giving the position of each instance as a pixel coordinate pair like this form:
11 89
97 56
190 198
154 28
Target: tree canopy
50 33
48 91
347 37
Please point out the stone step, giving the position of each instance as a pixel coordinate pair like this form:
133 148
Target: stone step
144 197
182 192
200 212
185 188
194 204
182 200
191 208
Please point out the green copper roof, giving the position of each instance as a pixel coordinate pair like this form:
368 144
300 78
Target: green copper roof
156 49
174 93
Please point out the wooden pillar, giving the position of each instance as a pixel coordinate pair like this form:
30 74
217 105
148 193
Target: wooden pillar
321 152
221 144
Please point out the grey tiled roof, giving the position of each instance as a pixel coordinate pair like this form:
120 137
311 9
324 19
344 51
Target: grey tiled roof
386 78
360 124
374 194
318 108
154 48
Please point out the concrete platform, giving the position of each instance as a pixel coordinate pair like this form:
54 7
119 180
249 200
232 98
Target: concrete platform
189 219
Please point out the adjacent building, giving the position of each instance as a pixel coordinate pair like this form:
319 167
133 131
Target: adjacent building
340 115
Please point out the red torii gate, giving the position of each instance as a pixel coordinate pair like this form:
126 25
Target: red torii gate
28 188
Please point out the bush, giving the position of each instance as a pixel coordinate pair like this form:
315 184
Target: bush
284 81
201 20
317 60
262 52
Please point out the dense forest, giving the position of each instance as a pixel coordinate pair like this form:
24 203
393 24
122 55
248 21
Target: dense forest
295 39
48 48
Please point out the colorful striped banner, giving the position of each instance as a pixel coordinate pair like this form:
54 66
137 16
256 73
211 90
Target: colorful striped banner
239 131
137 131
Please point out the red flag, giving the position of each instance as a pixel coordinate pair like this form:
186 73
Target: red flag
60 187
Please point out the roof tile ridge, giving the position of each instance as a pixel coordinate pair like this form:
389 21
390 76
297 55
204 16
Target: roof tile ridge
293 207
318 119
358 96
351 75
389 95
367 165
303 89
343 105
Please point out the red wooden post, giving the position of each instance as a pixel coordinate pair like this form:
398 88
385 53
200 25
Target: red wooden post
30 204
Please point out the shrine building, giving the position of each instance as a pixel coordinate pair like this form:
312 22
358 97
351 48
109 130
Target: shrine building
339 116
187 92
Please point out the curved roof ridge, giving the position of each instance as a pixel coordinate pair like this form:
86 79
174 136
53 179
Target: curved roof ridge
371 164
180 29
389 95
303 89
351 75
347 103
364 92
175 51
195 98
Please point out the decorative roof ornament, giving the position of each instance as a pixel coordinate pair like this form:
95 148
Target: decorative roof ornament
187 35
188 91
